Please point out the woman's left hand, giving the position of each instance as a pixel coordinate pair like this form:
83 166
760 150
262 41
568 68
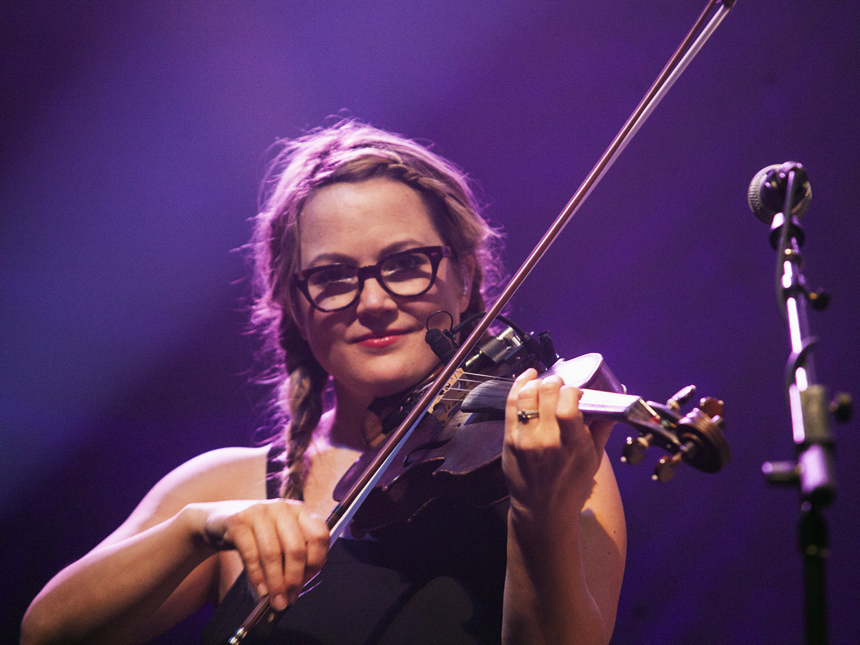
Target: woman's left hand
549 460
564 565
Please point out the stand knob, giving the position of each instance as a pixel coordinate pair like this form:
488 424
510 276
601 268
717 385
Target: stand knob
842 407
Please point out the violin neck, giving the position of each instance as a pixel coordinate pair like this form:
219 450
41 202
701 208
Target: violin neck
626 408
490 397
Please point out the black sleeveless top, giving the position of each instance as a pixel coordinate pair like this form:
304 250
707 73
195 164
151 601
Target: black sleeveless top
438 579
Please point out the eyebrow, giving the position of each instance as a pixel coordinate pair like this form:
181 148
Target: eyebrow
339 258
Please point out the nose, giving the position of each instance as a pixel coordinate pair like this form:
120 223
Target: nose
373 298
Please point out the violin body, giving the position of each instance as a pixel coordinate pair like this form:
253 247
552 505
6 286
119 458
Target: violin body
454 455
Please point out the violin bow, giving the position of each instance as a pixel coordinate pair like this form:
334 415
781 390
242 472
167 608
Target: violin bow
263 614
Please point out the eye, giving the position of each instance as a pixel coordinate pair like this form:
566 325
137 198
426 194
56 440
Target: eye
405 265
332 275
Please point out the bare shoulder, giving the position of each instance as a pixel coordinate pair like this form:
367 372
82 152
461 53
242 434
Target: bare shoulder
226 473
223 474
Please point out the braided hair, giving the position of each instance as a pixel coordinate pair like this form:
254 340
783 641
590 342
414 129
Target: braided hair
348 151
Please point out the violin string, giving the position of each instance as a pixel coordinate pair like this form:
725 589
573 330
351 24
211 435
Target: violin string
468 381
473 379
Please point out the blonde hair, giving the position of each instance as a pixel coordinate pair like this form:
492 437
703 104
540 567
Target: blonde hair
348 151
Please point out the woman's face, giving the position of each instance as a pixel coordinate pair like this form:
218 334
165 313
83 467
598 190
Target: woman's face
376 346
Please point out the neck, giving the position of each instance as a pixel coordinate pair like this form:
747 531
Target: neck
358 424
350 414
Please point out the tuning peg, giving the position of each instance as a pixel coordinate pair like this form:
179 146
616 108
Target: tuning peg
712 407
665 468
681 397
635 448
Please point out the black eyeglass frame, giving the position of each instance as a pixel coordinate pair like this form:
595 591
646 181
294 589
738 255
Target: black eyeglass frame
434 254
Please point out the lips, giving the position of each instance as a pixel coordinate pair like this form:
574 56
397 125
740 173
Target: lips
382 339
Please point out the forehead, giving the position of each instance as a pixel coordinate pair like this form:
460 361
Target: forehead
361 220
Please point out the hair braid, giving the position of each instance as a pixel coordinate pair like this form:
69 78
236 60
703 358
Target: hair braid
304 392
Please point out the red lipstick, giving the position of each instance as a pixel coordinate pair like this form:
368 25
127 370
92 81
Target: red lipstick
380 340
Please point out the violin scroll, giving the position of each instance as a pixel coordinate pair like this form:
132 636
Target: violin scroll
696 438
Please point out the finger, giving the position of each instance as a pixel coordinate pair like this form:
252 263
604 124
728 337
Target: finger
576 435
567 410
529 395
512 402
527 402
550 390
245 542
526 377
318 538
542 396
295 554
269 543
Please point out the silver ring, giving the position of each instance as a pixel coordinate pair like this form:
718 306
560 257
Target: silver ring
523 416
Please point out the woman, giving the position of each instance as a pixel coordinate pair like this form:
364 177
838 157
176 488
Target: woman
364 236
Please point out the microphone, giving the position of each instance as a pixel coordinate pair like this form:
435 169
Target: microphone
766 194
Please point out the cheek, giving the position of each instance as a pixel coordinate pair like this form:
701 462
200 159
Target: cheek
315 334
322 332
315 327
302 326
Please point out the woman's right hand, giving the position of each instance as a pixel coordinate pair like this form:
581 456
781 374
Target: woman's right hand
282 544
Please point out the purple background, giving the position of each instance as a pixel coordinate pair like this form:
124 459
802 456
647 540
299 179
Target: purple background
132 141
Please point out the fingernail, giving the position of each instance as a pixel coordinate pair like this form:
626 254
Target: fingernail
261 590
280 602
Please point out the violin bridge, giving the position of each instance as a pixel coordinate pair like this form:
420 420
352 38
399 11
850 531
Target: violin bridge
447 401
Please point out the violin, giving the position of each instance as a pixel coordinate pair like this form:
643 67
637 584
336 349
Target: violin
454 456
695 438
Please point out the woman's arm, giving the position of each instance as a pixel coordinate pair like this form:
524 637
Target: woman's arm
112 593
161 564
566 531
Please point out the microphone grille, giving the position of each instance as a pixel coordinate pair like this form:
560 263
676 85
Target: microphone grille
766 199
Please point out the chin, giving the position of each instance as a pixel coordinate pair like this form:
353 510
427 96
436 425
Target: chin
382 376
388 386
381 382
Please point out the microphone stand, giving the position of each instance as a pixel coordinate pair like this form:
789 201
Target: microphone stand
813 471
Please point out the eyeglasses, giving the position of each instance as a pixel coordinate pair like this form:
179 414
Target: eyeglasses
409 273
